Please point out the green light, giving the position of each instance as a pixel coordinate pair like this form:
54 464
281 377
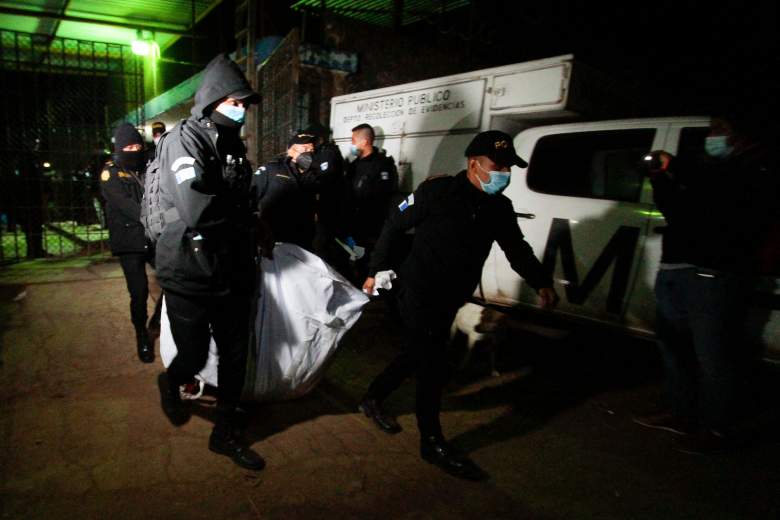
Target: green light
141 47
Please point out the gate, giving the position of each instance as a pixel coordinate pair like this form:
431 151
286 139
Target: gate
58 100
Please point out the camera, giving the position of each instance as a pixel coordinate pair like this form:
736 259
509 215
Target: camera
650 162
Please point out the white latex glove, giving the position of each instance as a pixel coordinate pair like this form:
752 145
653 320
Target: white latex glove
384 280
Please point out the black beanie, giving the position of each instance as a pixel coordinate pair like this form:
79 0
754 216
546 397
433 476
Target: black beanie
126 134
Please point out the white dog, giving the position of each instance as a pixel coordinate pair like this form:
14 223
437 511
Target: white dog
480 325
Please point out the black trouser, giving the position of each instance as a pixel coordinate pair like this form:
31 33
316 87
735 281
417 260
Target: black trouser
134 268
426 356
193 321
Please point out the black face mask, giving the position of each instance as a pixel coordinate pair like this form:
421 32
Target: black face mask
133 161
224 121
304 160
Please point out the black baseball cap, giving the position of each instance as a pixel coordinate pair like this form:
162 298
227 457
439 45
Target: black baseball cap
301 138
497 146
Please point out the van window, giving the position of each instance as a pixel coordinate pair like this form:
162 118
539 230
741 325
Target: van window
601 165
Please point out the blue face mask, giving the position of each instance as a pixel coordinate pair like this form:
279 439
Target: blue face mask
498 181
237 114
354 150
717 146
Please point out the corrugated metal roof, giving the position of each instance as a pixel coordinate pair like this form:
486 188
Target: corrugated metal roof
381 12
163 17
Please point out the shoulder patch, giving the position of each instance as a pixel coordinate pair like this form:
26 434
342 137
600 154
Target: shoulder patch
324 166
183 174
181 161
105 175
408 201
385 176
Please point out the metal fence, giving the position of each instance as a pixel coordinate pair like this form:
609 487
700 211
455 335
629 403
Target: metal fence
58 100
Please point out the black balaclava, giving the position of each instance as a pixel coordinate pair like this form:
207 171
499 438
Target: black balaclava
126 134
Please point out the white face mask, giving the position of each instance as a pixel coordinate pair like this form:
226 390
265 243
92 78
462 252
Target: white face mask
498 181
156 139
717 146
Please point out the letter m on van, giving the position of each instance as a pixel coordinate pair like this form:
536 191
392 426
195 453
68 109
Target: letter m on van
620 250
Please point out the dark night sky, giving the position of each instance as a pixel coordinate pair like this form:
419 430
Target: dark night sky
693 56
703 54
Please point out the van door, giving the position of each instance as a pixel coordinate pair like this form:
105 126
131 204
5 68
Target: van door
583 204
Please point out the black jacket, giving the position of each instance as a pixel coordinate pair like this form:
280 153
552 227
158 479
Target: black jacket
333 197
205 175
123 191
718 212
287 199
455 225
372 181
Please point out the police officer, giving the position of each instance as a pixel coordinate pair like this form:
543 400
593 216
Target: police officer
456 220
121 183
205 254
372 179
287 194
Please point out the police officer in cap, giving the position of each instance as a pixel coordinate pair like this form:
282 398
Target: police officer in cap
456 220
206 253
122 185
287 194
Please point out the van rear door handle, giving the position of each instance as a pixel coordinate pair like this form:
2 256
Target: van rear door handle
525 215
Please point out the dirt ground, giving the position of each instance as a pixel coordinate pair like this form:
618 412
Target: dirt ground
82 434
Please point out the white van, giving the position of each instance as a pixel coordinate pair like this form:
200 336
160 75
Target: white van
584 204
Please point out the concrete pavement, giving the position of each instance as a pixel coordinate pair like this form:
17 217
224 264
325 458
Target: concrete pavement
82 435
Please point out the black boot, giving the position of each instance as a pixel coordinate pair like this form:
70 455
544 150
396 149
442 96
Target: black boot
435 450
144 345
371 408
176 410
225 441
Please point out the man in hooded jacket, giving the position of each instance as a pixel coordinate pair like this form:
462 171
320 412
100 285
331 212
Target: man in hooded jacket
205 254
122 185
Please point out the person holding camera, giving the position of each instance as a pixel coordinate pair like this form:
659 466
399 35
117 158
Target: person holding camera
717 208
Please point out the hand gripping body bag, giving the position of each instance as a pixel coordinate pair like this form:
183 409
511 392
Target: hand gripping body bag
304 308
